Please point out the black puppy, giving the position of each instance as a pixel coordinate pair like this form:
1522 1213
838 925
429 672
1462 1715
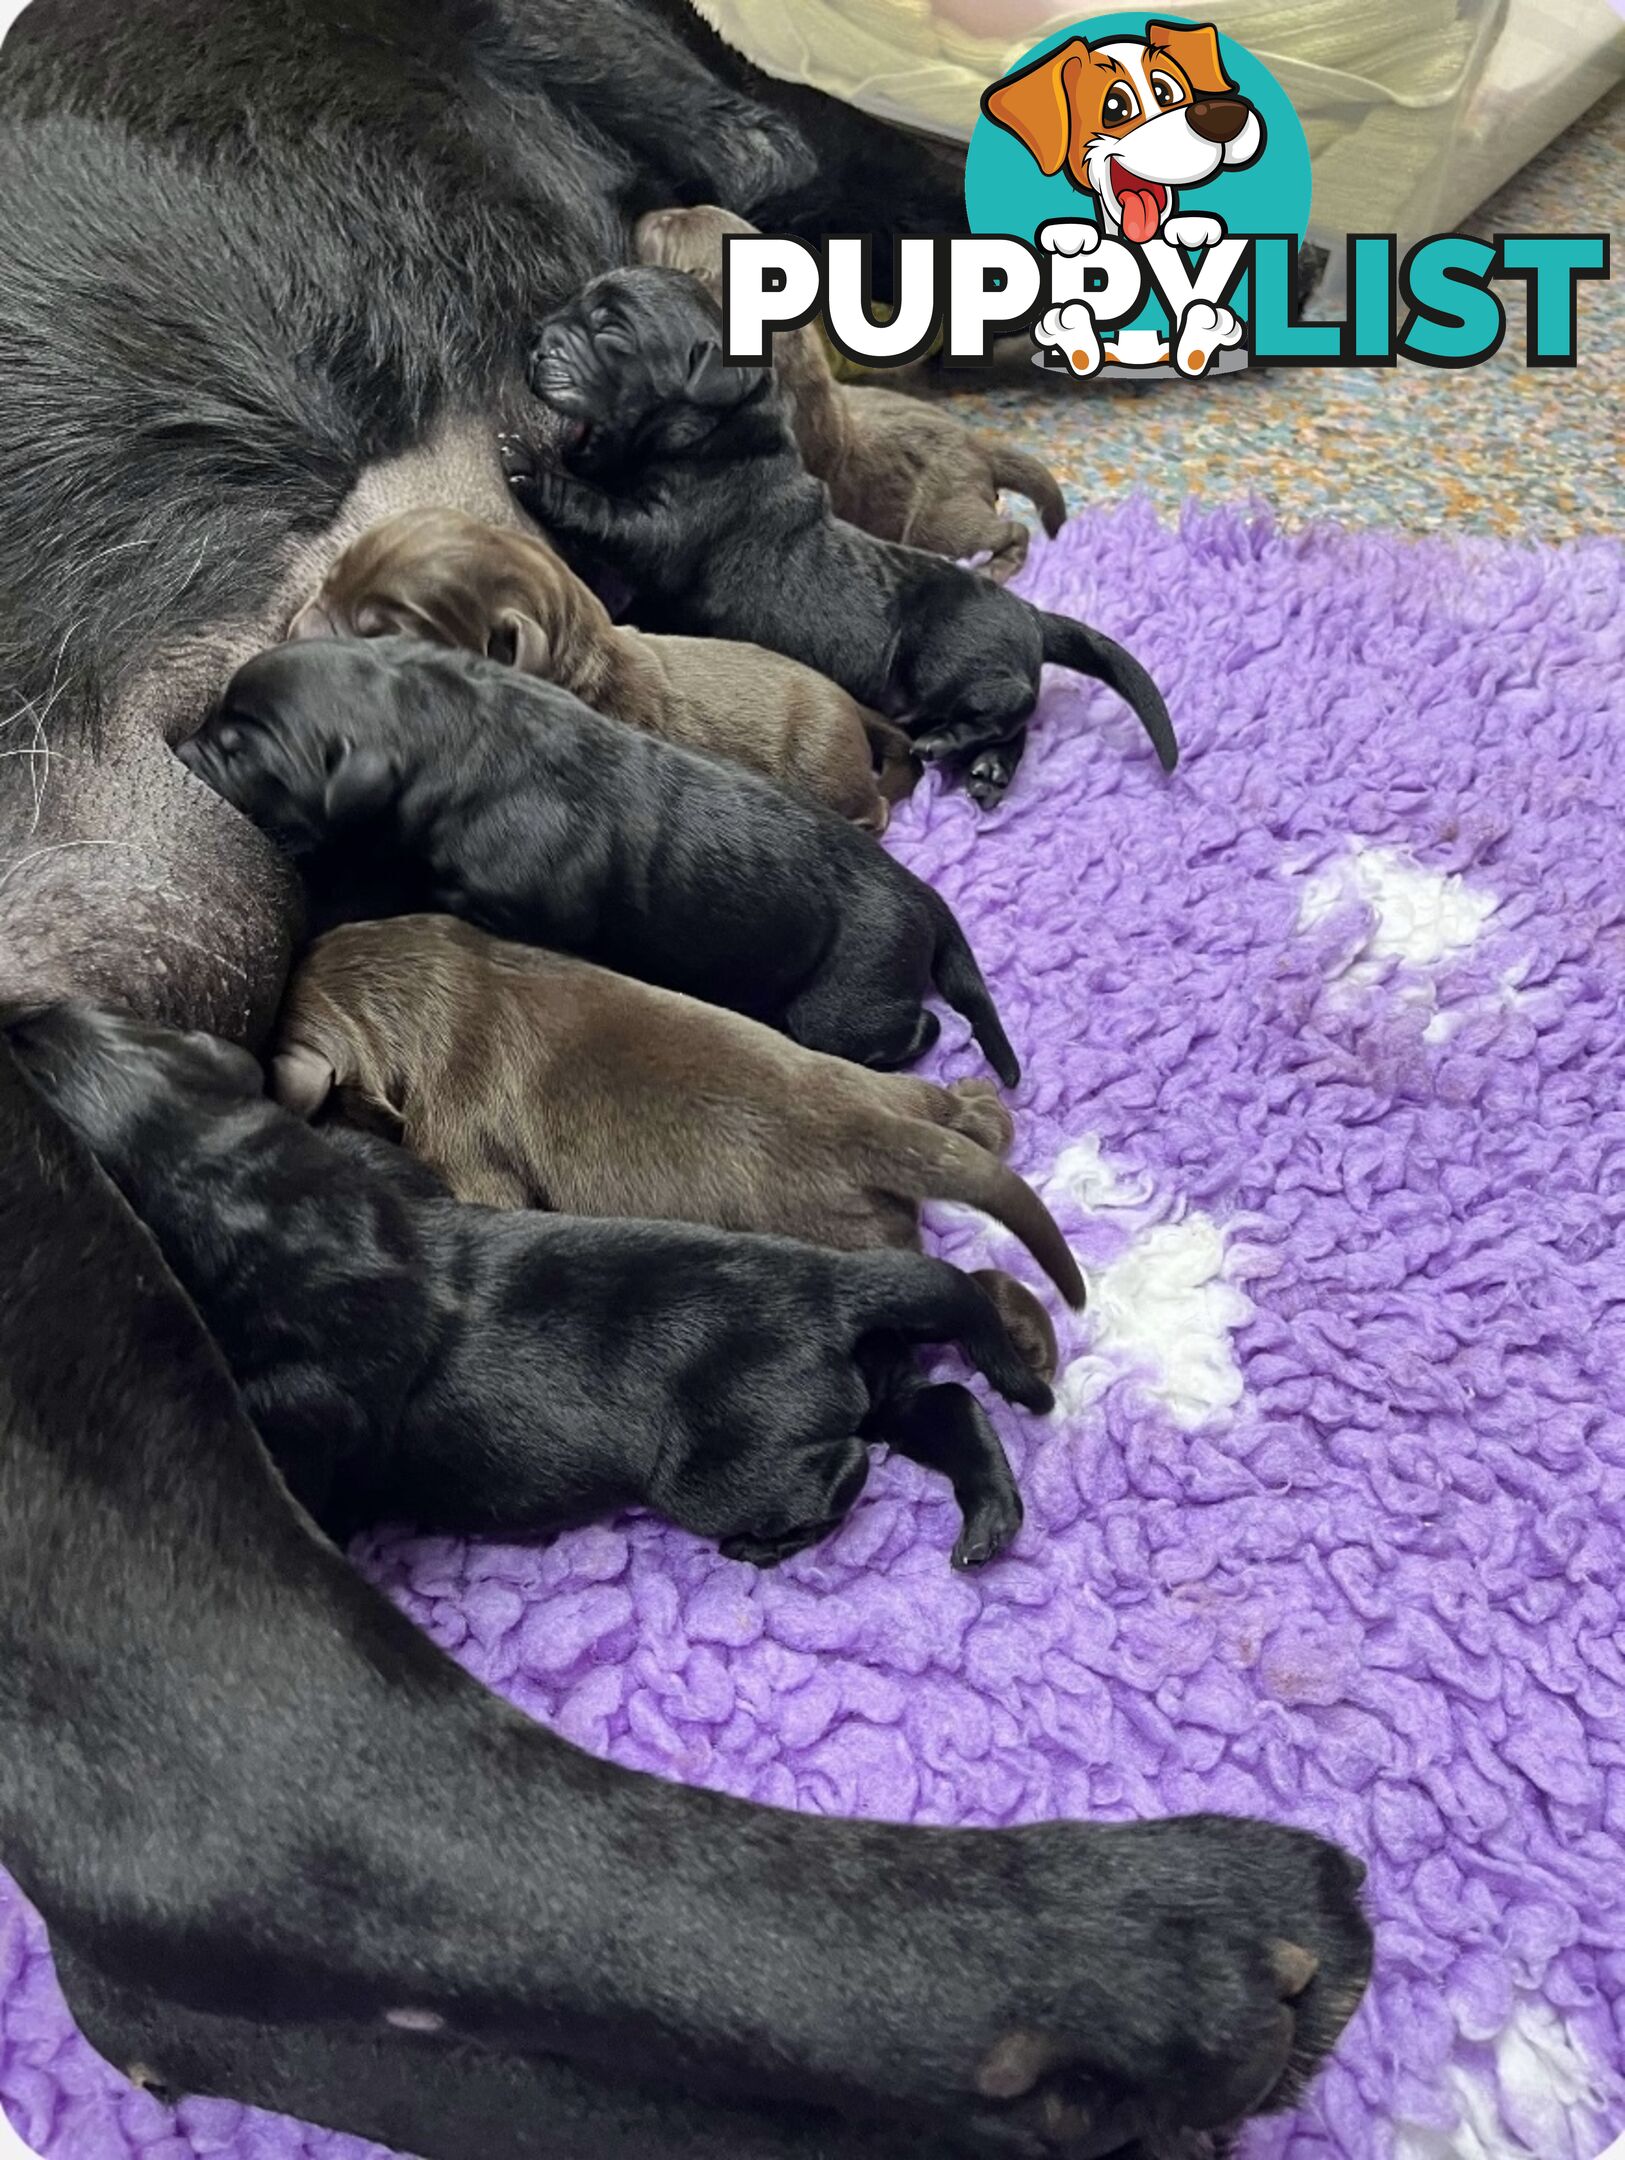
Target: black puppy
504 799
682 474
484 1369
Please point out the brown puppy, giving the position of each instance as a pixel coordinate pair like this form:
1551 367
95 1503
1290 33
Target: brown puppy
895 466
450 578
527 1079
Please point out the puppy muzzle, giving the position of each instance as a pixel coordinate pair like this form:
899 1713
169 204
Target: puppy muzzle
565 369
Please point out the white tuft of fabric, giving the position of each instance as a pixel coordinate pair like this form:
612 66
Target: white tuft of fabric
1164 1312
1419 917
1542 2081
1083 1174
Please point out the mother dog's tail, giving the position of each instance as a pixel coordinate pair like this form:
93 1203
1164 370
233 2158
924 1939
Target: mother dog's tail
1074 645
961 982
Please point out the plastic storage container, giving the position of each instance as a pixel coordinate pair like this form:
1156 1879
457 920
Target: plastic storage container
1415 110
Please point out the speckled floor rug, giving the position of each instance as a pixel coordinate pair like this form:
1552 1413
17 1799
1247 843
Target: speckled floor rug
1325 1044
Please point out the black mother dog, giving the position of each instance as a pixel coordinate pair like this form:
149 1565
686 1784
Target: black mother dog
486 1369
510 803
682 474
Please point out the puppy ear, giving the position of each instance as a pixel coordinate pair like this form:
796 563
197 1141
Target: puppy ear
1035 104
360 784
301 1080
519 641
312 621
711 381
1194 50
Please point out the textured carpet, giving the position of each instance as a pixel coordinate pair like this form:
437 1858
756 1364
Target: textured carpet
1326 1067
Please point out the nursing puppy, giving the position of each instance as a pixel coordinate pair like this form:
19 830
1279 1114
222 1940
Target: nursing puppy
896 466
491 589
481 1369
471 790
527 1079
681 472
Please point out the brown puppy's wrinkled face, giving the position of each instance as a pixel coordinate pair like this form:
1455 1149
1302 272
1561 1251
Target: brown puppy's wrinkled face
451 579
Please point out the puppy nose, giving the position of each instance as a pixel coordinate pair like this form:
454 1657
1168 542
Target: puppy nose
1219 120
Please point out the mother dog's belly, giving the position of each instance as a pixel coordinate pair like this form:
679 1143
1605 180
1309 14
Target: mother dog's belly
124 879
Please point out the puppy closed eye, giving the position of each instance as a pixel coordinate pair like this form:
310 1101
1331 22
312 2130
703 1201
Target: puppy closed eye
608 333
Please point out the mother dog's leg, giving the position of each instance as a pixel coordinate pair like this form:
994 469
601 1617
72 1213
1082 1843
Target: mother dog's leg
701 123
447 2099
234 1778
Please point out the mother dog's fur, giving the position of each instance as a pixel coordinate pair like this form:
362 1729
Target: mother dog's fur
266 275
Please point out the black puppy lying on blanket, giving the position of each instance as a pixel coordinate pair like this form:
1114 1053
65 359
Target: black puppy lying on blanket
503 799
682 474
483 1369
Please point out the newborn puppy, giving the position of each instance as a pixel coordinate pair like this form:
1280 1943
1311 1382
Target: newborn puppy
471 790
897 466
530 1080
443 575
682 473
483 1370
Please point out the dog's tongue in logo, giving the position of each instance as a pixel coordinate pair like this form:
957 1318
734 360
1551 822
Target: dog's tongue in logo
1139 204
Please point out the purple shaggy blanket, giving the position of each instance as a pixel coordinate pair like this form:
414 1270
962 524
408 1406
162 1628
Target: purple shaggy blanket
1325 1048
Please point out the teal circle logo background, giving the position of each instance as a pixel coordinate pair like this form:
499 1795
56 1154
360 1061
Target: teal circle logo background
1006 193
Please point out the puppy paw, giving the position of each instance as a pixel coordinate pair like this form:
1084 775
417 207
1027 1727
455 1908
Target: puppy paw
518 459
979 1111
1204 332
990 1522
988 777
1070 331
1068 236
1192 231
1026 1322
1008 544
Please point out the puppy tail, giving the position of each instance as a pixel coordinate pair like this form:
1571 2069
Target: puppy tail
897 768
954 1167
1029 476
927 1301
1090 652
961 982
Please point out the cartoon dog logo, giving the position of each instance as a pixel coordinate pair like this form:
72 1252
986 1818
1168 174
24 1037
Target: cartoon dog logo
1133 121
